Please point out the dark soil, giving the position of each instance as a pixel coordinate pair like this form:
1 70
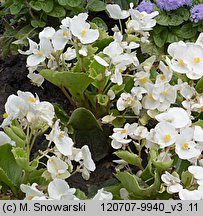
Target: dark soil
13 77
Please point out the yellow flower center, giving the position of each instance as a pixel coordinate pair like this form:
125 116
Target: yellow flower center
165 93
61 135
5 115
185 146
123 131
143 80
162 77
201 108
181 62
30 197
142 15
120 70
151 97
65 33
196 60
167 138
83 32
129 100
168 68
40 53
31 99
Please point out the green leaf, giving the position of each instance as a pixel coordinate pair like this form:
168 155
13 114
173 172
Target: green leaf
152 49
37 23
172 37
100 23
21 158
25 32
160 39
6 180
61 113
186 178
129 157
74 3
16 8
186 31
47 6
132 185
36 5
13 135
76 83
9 165
199 123
80 194
96 5
58 11
87 131
199 86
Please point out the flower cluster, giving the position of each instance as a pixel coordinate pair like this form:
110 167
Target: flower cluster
190 64
169 5
146 6
50 51
196 13
35 118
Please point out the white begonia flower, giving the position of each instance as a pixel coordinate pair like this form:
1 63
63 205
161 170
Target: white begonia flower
199 40
117 77
151 100
185 147
36 79
140 132
176 116
198 134
31 191
81 29
197 106
119 137
111 94
127 100
138 92
61 139
69 55
101 61
63 35
108 119
83 156
167 97
57 168
5 139
186 90
87 158
32 46
197 172
166 70
141 21
59 189
83 51
116 13
124 194
103 195
47 32
15 107
113 50
142 78
150 140
185 194
164 157
165 134
40 54
172 183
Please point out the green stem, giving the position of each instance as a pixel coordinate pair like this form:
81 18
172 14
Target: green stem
68 96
